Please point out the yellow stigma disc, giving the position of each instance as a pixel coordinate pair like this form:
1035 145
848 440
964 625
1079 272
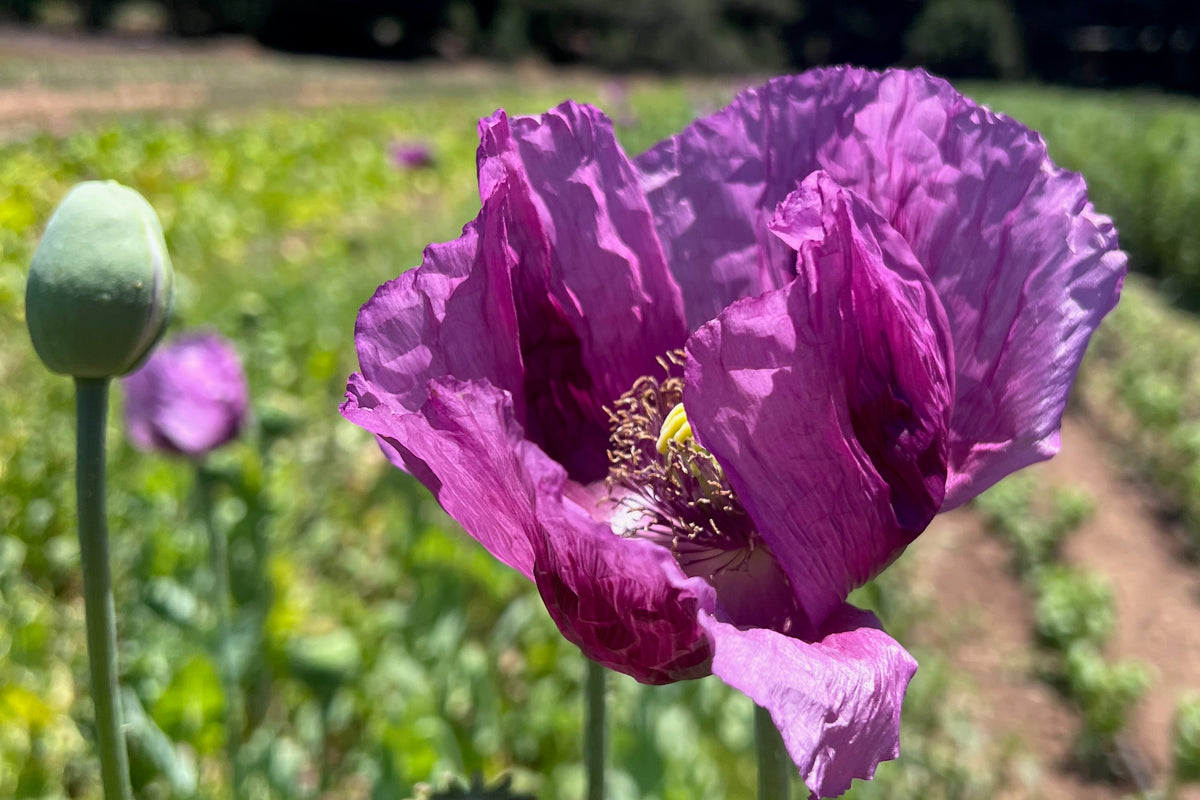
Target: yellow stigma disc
675 428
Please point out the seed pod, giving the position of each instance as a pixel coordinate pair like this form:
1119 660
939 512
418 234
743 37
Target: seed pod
101 287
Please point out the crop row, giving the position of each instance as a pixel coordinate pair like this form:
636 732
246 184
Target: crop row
1141 384
1074 618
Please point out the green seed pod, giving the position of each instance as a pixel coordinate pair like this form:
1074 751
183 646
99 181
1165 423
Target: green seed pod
101 287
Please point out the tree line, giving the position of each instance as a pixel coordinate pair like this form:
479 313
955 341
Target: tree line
1099 42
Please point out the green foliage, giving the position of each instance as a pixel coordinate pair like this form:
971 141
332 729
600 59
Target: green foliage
1105 694
1185 740
1141 381
1035 522
1074 617
1073 608
967 39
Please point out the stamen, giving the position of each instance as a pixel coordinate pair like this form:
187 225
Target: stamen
672 490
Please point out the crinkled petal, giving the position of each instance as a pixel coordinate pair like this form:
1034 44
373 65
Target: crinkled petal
1023 264
466 447
557 293
595 301
1025 332
625 602
827 402
836 700
415 327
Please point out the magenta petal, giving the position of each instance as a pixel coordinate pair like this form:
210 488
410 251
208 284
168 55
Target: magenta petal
624 602
467 449
1024 266
1022 322
557 293
595 301
836 700
411 330
827 402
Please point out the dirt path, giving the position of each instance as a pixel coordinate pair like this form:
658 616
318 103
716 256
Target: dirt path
1157 592
984 625
985 621
51 82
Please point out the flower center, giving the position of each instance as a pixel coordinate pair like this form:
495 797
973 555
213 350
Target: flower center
675 428
670 489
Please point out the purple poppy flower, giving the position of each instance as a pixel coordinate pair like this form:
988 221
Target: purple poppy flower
190 397
700 396
412 155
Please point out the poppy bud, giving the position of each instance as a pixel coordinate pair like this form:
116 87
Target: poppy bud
101 286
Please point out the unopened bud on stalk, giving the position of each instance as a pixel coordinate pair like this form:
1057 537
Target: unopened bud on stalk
101 287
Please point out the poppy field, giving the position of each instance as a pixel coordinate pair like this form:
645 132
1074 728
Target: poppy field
378 651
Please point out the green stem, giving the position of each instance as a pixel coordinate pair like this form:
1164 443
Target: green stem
594 731
774 765
325 780
218 552
91 414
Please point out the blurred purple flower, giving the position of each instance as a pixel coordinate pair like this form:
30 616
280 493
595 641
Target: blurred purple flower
870 294
617 99
411 155
190 397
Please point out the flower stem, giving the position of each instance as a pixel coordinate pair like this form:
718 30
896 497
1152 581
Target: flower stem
91 415
594 734
325 779
774 765
218 553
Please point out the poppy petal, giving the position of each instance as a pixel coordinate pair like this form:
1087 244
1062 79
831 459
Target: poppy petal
1017 254
596 304
827 402
625 602
836 700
